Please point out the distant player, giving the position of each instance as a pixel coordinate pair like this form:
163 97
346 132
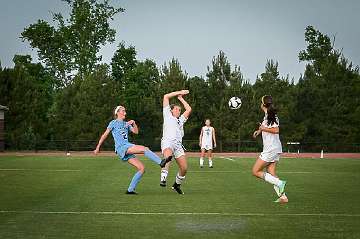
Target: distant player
125 150
173 132
272 149
207 142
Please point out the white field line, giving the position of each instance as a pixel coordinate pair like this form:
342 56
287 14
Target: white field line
227 158
195 171
182 213
37 169
217 171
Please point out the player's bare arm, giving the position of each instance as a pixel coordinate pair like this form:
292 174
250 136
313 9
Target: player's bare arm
187 107
273 130
256 133
214 137
102 139
168 96
134 129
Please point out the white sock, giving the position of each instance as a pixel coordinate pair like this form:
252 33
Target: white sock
277 190
210 162
163 175
201 161
179 179
271 179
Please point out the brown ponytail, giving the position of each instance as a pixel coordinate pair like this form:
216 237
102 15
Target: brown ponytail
271 111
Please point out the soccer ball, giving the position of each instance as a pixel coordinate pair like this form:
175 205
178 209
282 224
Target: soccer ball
235 103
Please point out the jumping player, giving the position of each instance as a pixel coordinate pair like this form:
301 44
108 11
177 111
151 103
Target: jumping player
272 149
126 150
206 140
173 132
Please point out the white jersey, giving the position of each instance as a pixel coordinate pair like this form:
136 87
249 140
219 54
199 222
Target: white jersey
173 129
207 137
271 142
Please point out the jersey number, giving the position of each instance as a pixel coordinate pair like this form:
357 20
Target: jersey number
124 135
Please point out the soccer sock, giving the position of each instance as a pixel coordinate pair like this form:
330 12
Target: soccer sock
271 179
201 161
134 181
179 179
163 175
152 156
210 162
277 190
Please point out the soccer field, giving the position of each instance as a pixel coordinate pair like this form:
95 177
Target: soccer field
83 197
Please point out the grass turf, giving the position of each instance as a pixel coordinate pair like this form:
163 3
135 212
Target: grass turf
69 197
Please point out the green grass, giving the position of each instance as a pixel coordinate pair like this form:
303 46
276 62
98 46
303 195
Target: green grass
324 200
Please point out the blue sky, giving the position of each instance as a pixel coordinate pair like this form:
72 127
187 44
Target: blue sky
249 32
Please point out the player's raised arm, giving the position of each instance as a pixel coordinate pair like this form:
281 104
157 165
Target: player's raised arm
134 128
173 94
101 140
187 107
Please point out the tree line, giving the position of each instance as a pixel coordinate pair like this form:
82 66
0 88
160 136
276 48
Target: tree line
70 95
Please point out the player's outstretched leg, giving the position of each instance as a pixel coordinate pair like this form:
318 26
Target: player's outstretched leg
138 149
137 176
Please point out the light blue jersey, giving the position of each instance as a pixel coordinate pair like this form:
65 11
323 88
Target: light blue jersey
120 132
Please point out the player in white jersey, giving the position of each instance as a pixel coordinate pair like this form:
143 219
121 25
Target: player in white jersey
272 149
207 142
173 132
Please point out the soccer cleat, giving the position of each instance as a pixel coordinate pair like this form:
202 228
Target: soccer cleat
211 166
177 188
282 187
131 193
165 161
163 183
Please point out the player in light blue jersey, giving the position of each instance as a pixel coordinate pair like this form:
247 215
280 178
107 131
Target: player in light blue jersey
126 150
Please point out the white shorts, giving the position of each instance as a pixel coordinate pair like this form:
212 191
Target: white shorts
206 146
270 157
175 146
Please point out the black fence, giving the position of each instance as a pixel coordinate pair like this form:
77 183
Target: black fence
190 145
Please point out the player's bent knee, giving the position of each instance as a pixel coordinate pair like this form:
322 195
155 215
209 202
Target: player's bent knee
255 173
142 170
